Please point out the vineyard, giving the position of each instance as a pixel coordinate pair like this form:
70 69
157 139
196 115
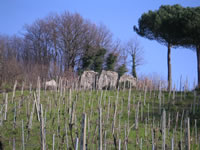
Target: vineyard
70 118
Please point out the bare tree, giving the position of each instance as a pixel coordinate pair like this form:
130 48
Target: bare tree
136 53
52 24
38 48
10 65
53 46
2 45
71 38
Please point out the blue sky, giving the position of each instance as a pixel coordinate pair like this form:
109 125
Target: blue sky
119 16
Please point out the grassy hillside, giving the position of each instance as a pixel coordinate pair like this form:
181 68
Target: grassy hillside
131 119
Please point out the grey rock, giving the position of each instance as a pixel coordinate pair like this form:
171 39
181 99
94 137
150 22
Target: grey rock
128 79
51 84
88 80
108 79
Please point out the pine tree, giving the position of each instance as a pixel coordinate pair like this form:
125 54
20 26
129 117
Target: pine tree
122 69
111 62
98 60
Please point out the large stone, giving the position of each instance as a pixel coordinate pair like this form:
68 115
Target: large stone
51 84
128 79
108 79
88 80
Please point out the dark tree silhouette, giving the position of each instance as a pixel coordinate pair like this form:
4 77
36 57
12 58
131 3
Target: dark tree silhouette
111 61
163 26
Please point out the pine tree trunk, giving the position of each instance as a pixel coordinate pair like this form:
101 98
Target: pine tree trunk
169 67
198 64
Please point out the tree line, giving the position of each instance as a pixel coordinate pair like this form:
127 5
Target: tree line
60 45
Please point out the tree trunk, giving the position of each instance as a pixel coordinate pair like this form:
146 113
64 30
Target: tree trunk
198 64
1 66
134 66
169 67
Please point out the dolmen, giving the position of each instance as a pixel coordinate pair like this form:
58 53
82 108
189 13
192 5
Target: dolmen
88 80
108 80
127 80
51 84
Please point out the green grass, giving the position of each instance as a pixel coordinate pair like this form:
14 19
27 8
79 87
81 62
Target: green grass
55 105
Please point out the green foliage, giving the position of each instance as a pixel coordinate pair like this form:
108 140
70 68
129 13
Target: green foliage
165 26
111 61
191 36
99 60
191 27
87 59
122 69
92 60
87 62
57 118
173 26
162 25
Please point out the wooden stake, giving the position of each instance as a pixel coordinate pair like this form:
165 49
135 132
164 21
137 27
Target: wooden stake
119 147
23 145
6 107
188 134
53 141
13 143
15 116
196 135
31 116
163 129
76 147
42 129
105 140
172 143
100 129
14 88
83 132
67 144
